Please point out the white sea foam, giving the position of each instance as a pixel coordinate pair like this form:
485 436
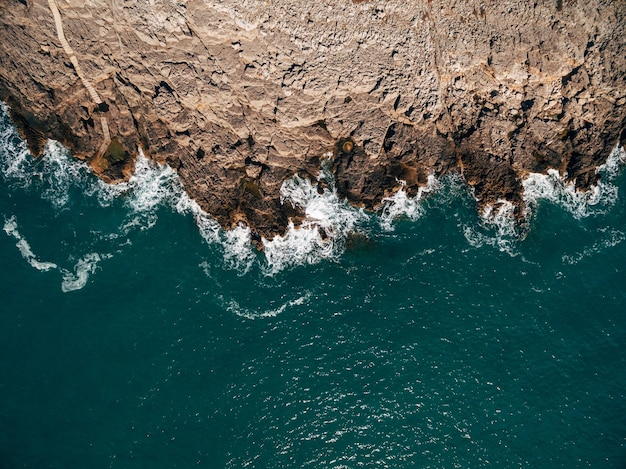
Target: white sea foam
329 221
15 159
401 205
554 188
151 185
238 250
72 280
155 185
54 173
10 228
502 218
210 230
233 306
497 227
59 173
303 245
236 243
325 213
613 164
78 278
608 238
103 192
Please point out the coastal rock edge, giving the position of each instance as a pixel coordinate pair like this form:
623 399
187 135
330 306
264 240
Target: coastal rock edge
238 96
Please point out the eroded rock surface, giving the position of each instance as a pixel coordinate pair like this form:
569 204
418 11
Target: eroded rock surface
239 95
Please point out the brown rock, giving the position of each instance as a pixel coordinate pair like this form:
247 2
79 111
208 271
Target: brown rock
239 97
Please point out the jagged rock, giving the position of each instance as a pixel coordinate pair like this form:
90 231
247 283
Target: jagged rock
240 95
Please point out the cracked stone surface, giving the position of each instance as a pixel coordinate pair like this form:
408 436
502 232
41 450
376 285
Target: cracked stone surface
238 96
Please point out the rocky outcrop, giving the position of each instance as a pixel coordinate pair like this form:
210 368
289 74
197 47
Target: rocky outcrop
238 96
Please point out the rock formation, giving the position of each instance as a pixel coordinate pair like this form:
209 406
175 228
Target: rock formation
239 95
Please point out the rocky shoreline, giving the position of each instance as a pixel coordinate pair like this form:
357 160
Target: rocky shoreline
240 96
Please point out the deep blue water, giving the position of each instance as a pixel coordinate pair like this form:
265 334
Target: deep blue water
130 338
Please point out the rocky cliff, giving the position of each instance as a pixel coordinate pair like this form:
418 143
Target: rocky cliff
239 95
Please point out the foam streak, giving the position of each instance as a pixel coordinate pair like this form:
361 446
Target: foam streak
77 279
10 228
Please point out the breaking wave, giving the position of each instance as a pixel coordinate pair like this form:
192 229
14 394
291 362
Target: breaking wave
15 159
322 235
497 227
56 175
329 221
554 188
151 186
400 205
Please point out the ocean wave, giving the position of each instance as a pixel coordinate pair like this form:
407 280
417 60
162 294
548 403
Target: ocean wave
238 250
151 185
322 235
613 164
55 173
497 227
328 224
554 188
15 159
154 185
400 205
60 172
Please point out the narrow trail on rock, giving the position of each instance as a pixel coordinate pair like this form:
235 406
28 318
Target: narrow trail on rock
95 97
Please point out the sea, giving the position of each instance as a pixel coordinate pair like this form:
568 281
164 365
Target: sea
136 333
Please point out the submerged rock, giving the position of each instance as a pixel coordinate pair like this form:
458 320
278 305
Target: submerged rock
238 97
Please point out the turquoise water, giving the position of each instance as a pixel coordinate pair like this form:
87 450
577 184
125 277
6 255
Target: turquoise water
134 333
